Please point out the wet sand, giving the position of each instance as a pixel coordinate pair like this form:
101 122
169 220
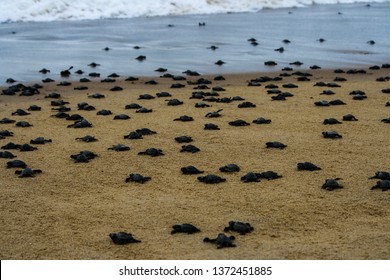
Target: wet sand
68 211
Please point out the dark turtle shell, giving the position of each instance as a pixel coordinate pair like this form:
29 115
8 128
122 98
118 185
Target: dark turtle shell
307 166
211 179
122 238
250 177
229 168
135 177
383 185
332 184
191 170
275 144
184 228
221 241
239 227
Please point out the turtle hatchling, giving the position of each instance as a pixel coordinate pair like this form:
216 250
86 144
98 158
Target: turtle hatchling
11 146
27 172
27 148
190 170
174 102
250 177
238 123
215 114
133 135
261 120
307 166
331 134
222 241
269 175
120 148
121 117
87 138
382 175
275 144
184 118
332 184
133 106
229 168
84 156
152 152
349 117
383 185
6 154
331 121
23 124
211 179
239 227
81 124
16 164
138 178
183 139
211 126
122 238
189 148
145 131
184 228
40 141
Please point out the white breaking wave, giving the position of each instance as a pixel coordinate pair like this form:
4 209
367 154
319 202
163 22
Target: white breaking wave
53 10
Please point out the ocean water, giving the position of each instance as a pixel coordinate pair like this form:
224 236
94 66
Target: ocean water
175 41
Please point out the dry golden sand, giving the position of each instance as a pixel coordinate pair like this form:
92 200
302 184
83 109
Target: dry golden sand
68 211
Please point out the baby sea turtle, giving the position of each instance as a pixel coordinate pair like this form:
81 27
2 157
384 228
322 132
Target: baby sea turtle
85 106
275 144
11 146
201 105
53 95
122 238
386 120
133 106
184 228
40 141
382 175
81 124
239 227
6 133
145 131
27 148
174 102
6 121
121 117
331 134
184 118
250 177
144 110
190 170
222 241
152 152
75 117
146 96
183 139
332 184
331 121
215 114
104 112
239 123
27 172
189 148
119 148
307 166
270 175
383 185
229 168
97 96
23 124
349 117
87 138
84 156
261 120
211 179
20 112
133 135
6 154
246 104
34 108
138 178
211 126
16 164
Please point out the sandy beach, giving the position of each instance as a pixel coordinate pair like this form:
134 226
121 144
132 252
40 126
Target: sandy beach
68 211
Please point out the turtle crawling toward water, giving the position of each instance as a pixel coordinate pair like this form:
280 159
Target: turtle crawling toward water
84 156
119 148
16 164
332 184
250 177
81 124
238 123
349 117
214 114
331 121
133 135
222 241
211 179
6 154
87 138
152 152
261 120
307 166
27 172
40 141
189 148
331 134
275 144
184 118
230 168
211 126
184 228
382 175
190 170
239 227
270 175
138 178
121 238
383 185
183 139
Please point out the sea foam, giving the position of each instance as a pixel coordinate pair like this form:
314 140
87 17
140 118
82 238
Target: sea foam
54 10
